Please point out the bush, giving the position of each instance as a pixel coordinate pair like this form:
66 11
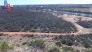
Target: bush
69 49
67 42
37 44
86 44
28 35
54 50
58 44
88 50
4 47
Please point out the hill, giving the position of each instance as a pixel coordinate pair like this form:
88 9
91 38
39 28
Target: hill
21 19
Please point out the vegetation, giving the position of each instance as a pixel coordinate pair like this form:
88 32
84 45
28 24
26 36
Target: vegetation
54 50
4 47
87 50
58 44
83 40
85 24
67 42
24 20
28 35
86 44
37 44
69 49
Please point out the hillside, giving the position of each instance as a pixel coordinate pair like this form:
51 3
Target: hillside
43 28
24 20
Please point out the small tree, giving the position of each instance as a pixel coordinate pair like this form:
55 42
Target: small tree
4 47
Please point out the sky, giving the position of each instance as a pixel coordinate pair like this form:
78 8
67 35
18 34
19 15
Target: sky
23 2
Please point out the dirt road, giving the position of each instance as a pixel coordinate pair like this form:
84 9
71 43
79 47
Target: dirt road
37 33
34 33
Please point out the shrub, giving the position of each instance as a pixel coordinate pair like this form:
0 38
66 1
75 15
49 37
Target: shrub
58 44
4 47
69 49
54 50
37 44
86 44
88 50
28 35
67 42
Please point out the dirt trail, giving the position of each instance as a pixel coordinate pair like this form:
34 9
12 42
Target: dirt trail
34 33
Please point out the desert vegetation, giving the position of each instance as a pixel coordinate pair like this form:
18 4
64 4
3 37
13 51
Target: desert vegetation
4 47
39 18
24 20
85 24
78 40
35 43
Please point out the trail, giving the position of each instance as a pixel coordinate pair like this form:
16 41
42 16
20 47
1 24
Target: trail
38 33
32 33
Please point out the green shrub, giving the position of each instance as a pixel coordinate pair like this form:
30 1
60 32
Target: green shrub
69 49
58 44
4 47
54 50
37 44
67 42
86 44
